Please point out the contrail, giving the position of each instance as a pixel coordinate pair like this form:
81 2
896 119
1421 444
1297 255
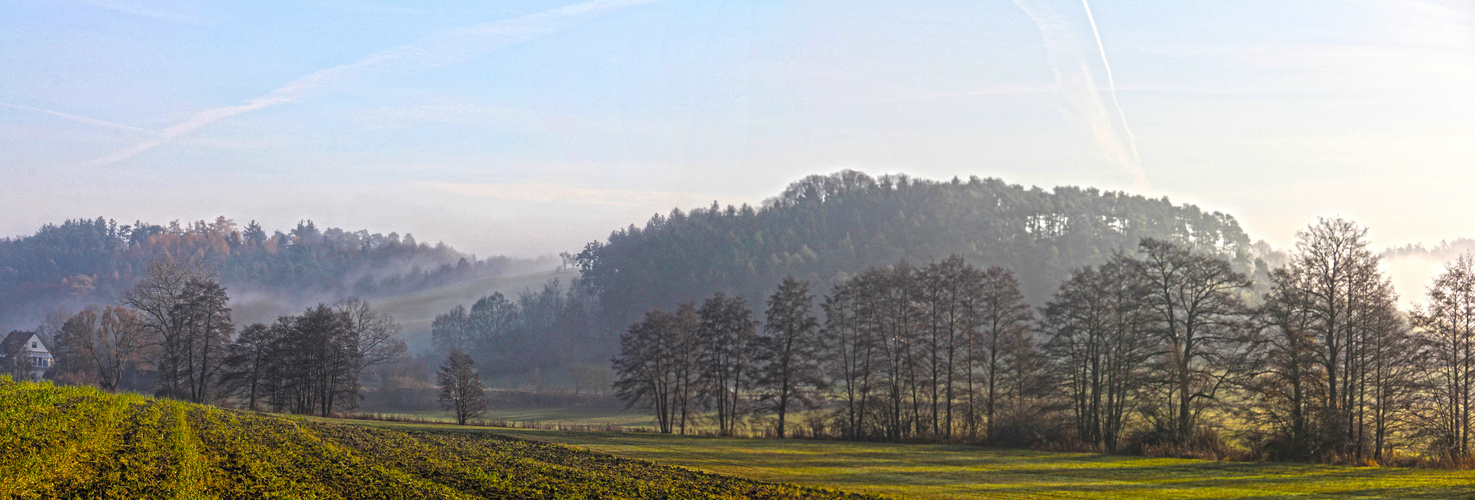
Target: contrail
1111 82
431 52
1081 99
80 119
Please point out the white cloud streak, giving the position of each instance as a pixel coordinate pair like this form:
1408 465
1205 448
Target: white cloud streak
1081 99
1111 83
431 52
79 119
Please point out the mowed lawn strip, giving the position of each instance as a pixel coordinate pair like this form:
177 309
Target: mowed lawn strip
959 471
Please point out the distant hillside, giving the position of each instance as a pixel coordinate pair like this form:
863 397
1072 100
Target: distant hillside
416 311
1413 267
1444 251
825 228
88 261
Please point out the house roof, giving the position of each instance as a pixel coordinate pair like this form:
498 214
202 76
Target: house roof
16 340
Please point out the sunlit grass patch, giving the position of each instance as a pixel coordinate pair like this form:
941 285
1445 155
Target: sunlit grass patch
960 471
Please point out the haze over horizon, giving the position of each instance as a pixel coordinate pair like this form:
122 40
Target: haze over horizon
528 128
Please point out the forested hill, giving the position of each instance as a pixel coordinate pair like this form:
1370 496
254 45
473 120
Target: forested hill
824 228
84 261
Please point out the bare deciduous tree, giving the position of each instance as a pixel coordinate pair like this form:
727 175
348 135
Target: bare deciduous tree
727 335
1100 343
1447 320
377 333
999 323
1198 307
158 297
204 317
791 372
105 343
461 391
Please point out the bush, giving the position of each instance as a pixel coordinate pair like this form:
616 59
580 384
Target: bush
1204 444
1026 428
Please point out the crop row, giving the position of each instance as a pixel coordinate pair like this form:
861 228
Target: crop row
80 442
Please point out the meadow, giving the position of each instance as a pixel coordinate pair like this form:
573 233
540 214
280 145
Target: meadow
531 416
961 471
79 442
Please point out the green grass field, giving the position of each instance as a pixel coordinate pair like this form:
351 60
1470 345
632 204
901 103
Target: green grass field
78 442
944 471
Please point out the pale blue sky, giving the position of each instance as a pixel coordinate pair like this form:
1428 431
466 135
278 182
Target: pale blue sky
532 127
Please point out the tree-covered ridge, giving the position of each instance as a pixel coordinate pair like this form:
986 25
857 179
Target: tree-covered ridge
92 260
823 228
1444 250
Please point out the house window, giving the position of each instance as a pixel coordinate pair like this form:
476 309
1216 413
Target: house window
33 345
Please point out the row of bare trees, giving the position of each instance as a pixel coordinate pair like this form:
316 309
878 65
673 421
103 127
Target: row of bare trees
175 327
681 363
1320 364
928 352
176 323
1447 353
310 363
712 358
1162 334
1341 361
1163 345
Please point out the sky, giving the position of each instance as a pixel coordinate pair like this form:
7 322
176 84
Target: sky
532 127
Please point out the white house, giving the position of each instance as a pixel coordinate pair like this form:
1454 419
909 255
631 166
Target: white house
25 352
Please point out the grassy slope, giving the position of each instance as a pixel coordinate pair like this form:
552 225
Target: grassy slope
79 442
417 310
414 311
942 471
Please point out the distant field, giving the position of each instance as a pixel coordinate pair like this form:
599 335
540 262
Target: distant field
78 442
942 471
545 415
